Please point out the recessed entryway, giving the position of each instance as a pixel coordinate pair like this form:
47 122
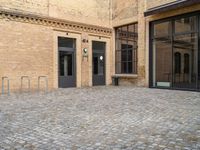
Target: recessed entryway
66 62
98 63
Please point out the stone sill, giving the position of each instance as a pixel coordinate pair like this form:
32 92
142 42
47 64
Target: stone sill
126 75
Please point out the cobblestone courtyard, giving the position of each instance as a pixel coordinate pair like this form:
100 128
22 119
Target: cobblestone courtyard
101 118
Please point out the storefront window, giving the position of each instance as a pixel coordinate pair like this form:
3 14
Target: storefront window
175 60
126 49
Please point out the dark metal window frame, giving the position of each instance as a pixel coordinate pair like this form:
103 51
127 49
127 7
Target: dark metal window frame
134 60
151 32
170 6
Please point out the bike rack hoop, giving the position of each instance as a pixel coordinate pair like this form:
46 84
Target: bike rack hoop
29 82
46 81
8 85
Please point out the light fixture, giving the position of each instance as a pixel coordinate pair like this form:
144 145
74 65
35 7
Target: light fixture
101 57
85 50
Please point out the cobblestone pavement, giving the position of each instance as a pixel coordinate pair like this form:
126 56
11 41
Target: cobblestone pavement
101 118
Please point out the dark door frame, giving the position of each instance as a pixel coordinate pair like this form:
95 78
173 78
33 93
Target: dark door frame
99 51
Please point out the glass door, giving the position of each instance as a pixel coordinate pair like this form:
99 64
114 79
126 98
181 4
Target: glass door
185 56
162 49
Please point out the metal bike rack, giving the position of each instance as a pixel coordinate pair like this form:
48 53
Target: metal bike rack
46 80
8 85
29 83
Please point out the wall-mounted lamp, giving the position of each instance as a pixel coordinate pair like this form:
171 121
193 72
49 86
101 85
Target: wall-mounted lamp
85 50
85 53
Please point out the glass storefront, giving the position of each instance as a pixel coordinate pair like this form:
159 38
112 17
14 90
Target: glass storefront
175 57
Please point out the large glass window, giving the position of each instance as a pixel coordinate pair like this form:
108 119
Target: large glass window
162 54
126 49
175 53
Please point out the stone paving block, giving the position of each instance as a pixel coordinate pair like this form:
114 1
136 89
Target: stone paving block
101 118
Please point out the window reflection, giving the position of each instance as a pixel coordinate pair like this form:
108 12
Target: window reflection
162 29
66 42
186 24
177 62
176 54
126 49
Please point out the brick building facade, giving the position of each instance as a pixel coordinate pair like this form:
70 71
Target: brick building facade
85 43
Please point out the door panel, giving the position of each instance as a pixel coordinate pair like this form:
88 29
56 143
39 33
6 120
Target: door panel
67 59
98 63
162 49
185 61
66 70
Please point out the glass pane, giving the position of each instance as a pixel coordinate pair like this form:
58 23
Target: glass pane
66 42
185 61
124 46
124 32
61 63
66 64
162 63
98 63
98 45
101 64
162 29
177 62
134 60
131 45
130 55
131 30
124 67
95 65
130 67
124 55
186 24
69 64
